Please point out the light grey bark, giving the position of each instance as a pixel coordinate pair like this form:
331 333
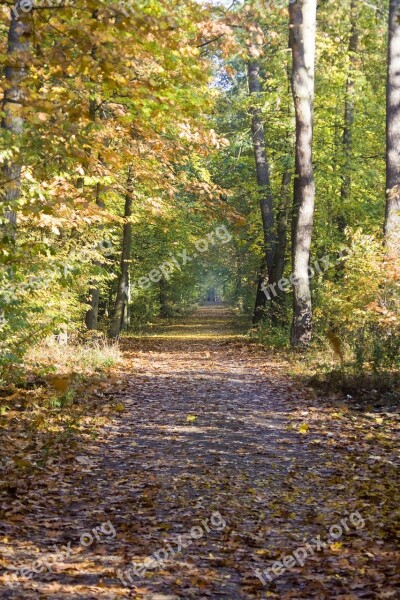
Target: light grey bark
278 307
262 167
302 42
264 185
392 218
16 71
123 292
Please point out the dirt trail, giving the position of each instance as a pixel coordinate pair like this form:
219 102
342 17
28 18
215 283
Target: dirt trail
211 435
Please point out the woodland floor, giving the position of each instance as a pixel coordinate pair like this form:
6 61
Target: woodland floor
198 421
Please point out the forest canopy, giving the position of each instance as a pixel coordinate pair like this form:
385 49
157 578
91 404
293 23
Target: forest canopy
132 131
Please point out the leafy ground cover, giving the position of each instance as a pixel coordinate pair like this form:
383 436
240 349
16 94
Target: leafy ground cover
199 447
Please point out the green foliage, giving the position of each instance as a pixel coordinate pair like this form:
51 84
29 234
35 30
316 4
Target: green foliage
147 88
273 335
359 304
106 88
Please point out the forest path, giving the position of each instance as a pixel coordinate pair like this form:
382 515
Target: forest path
220 464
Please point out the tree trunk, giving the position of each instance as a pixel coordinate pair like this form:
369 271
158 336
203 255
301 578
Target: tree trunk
302 42
261 298
162 296
92 315
282 227
262 168
264 184
349 112
19 35
123 292
392 219
278 312
276 295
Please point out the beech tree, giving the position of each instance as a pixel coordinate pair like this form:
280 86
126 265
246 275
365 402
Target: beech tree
264 184
121 310
302 42
392 219
19 41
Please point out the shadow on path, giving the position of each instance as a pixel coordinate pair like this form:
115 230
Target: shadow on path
212 437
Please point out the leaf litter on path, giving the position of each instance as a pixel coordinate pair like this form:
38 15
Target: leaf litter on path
195 426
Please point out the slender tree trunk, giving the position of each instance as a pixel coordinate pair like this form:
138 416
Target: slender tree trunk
302 42
282 227
162 296
262 167
122 301
349 111
264 184
92 314
19 40
392 219
261 298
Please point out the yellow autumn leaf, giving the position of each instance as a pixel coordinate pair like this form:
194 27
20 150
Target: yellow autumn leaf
336 546
304 428
21 463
